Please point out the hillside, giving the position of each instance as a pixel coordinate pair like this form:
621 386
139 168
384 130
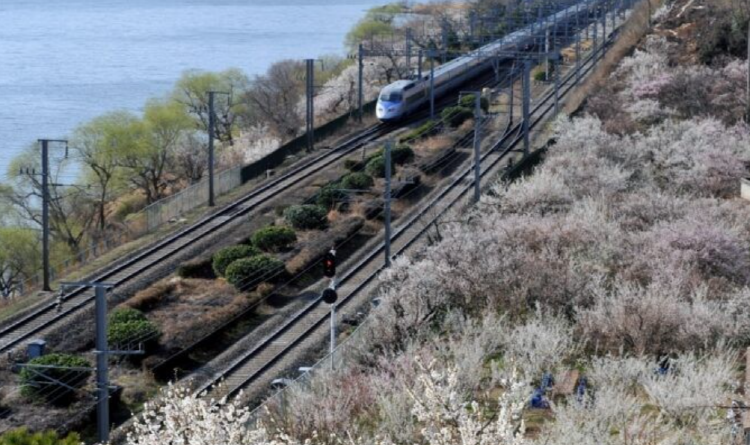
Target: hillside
622 260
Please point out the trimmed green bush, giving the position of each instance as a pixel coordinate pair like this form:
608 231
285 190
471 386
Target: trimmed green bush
132 333
357 181
125 315
247 273
468 102
455 116
306 217
400 155
353 165
197 269
274 238
376 167
40 388
423 130
228 255
330 195
22 436
540 76
129 327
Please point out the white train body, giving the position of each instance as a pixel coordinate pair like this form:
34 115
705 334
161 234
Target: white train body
403 97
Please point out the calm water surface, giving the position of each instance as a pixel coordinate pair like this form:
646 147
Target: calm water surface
63 62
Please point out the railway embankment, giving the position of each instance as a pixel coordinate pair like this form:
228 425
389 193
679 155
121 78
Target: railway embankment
619 263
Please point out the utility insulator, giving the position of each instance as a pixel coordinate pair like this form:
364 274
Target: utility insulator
329 264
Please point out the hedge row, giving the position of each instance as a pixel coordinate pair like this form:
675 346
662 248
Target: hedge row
247 273
71 372
228 255
306 217
130 328
455 116
274 238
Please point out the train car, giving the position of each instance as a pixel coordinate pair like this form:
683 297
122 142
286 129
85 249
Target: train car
403 97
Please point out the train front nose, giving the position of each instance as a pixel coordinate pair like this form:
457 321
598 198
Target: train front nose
387 111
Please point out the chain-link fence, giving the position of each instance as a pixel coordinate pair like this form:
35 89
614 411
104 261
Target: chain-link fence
172 207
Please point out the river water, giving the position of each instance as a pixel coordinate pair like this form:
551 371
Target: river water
63 62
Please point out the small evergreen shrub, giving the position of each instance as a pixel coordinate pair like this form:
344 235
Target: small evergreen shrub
246 273
306 217
130 327
455 116
228 255
330 195
274 238
22 436
353 165
125 315
376 167
202 269
422 131
131 334
401 154
357 181
40 388
468 101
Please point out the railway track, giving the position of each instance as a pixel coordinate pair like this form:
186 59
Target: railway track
47 316
301 327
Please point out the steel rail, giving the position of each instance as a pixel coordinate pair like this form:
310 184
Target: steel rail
212 222
46 316
541 108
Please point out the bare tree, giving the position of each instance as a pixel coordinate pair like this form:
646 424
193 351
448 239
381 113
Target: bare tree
276 97
164 125
101 144
190 160
71 212
192 92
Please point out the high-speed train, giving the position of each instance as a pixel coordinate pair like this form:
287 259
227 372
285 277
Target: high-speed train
403 97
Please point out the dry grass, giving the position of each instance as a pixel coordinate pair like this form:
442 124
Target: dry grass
315 247
433 145
153 296
196 308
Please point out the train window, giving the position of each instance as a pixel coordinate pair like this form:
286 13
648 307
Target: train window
409 87
393 96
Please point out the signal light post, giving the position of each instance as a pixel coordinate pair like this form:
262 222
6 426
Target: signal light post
330 296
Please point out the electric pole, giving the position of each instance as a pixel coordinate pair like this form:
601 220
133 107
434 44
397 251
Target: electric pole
211 124
360 75
477 148
45 215
102 356
387 216
45 210
477 141
747 100
211 137
526 107
432 86
310 93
